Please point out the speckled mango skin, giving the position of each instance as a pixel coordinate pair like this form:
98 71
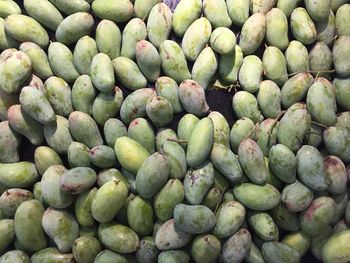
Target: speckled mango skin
216 12
159 110
230 64
108 38
147 251
204 67
84 129
69 7
263 226
173 61
168 88
44 157
119 238
82 208
276 252
336 174
257 197
50 255
196 38
205 248
336 140
24 28
140 215
77 180
246 105
336 248
8 229
130 153
294 126
169 236
302 27
341 55
9 142
21 174
134 31
159 24
250 73
277 29
185 13
85 249
297 57
8 8
84 51
239 132
275 65
194 219
113 192
15 68
148 60
68 34
117 12
102 73
282 163
28 227
238 11
12 198
237 247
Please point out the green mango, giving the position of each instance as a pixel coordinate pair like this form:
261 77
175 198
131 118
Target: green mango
337 142
186 126
148 183
117 12
205 67
140 215
173 61
168 88
44 157
254 255
297 57
141 131
267 135
39 59
8 229
341 86
177 158
287 6
250 73
294 126
299 241
170 236
319 11
61 62
143 8
296 88
283 163
44 12
277 29
84 51
148 60
239 131
192 97
326 30
23 28
82 208
51 255
269 99
341 55
102 73
15 69
285 219
245 105
194 219
113 129
275 65
74 27
159 110
6 101
10 141
28 229
134 105
113 192
8 8
119 238
238 11
229 218
279 252
302 26
77 180
342 19
229 65
216 12
85 249
147 251
83 94
317 216
134 31
335 248
263 226
196 38
200 142
57 135
197 183
173 256
320 57
263 6
253 33
257 197
221 128
14 256
20 174
205 248
108 38
237 247
159 24
185 13
71 7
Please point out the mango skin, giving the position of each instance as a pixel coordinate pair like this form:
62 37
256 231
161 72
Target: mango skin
119 238
320 57
240 102
82 208
342 92
61 62
143 8
24 28
336 249
8 228
6 101
267 135
102 73
159 110
168 88
197 150
221 128
14 256
68 34
341 19
9 8
269 99
239 131
44 12
118 12
21 174
108 38
57 135
69 7
257 197
159 24
10 141
341 55
287 133
140 215
263 226
199 219
196 38
170 236
83 94
287 6
237 247
212 9
77 180
277 29
336 140
297 57
192 98
326 30
147 184
28 227
44 157
276 252
134 31
147 251
318 215
182 18
275 65
113 129
283 163
253 33
205 67
148 60
206 248
85 249
84 51
50 255
15 68
230 64
302 27
250 73
319 11
141 131
173 61
238 11
130 153
84 129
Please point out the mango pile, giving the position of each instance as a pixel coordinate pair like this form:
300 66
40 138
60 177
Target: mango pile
93 87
